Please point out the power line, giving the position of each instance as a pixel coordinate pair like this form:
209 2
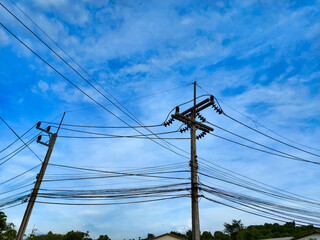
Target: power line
54 69
237 135
115 203
18 188
251 179
133 99
133 118
164 166
261 150
119 127
266 135
255 188
144 136
3 208
281 219
243 210
261 203
80 65
266 207
256 122
90 126
17 139
112 194
273 212
110 135
136 137
20 137
15 152
117 173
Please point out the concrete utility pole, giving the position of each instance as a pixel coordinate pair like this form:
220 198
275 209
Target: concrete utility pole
27 214
194 174
189 118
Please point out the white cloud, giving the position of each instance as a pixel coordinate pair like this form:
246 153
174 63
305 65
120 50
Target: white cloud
44 86
126 33
4 39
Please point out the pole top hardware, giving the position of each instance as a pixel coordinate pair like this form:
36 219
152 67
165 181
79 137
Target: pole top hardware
186 117
169 122
47 130
188 111
187 120
39 141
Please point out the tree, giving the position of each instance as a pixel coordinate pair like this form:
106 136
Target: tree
103 237
218 235
189 234
32 235
149 236
76 235
178 234
48 236
7 230
3 222
233 229
206 236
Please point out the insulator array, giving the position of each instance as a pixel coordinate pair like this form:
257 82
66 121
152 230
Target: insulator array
169 122
201 135
182 130
203 119
216 108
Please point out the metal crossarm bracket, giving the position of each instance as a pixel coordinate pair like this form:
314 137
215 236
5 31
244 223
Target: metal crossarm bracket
209 102
44 130
187 120
39 141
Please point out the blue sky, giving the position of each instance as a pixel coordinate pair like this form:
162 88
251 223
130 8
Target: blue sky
260 57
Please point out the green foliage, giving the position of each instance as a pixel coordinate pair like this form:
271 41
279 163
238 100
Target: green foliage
189 235
7 230
49 236
178 234
233 229
206 236
32 235
275 230
72 235
3 222
149 236
218 235
77 235
103 237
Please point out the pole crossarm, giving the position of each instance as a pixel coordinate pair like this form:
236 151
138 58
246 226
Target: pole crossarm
189 121
188 111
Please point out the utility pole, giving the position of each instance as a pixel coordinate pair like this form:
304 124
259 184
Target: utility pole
27 214
194 174
189 118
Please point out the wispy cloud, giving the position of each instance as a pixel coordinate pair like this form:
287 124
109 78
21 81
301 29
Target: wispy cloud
260 57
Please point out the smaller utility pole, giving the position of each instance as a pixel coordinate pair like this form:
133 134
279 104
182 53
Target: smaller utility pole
27 214
189 118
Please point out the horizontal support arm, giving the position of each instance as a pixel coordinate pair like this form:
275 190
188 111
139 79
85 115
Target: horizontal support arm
196 106
187 120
